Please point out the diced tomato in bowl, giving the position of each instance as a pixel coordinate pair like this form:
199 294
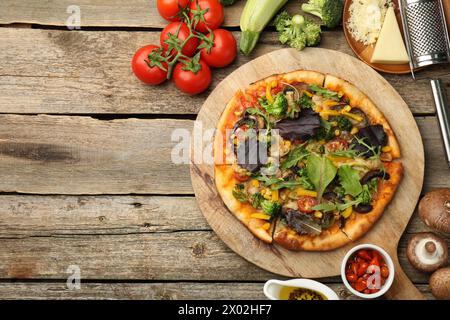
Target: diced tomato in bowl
367 271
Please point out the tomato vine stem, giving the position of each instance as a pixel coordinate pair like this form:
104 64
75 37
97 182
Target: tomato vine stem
174 45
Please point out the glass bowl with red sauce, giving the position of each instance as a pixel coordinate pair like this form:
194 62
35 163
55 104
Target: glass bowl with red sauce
367 271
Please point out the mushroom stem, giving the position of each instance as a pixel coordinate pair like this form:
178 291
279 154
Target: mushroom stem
429 250
430 247
447 205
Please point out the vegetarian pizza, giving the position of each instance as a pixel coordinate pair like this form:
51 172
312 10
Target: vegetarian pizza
305 160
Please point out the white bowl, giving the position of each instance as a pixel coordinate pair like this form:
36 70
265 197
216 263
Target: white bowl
386 258
272 288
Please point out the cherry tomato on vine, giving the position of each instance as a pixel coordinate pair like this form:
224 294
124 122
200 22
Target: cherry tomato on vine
183 33
170 9
144 69
212 12
223 51
192 80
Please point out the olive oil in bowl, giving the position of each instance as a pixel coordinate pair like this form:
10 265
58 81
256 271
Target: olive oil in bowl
293 293
298 289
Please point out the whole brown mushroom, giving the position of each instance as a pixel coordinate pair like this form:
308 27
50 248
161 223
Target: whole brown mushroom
440 284
427 252
434 209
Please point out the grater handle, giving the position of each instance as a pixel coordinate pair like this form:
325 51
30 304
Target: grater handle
441 102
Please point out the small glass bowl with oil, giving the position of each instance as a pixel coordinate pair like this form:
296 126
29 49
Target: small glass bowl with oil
298 289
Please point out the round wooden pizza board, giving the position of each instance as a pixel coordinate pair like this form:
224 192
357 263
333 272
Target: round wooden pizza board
387 231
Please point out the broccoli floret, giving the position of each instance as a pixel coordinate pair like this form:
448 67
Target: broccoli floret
344 124
256 199
313 32
239 193
270 208
306 101
282 21
330 11
284 38
299 42
325 132
297 31
278 107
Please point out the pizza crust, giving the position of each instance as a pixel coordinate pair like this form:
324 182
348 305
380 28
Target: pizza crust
328 240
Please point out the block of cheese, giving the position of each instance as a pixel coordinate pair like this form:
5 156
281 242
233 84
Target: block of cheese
390 48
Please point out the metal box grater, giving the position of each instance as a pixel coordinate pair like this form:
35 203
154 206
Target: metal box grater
426 34
427 41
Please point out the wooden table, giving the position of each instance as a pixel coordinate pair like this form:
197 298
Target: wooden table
85 171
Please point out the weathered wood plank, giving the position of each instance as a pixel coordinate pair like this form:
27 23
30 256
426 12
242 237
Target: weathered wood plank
153 291
46 216
80 155
180 255
139 237
51 71
103 13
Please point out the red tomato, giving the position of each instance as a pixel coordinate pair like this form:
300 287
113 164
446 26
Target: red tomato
142 70
183 33
384 272
374 261
170 9
354 268
337 144
364 255
362 268
351 277
360 285
240 178
306 204
190 82
213 14
224 49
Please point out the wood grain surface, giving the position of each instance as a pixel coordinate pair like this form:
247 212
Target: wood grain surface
143 291
385 233
86 72
129 214
127 238
82 155
104 13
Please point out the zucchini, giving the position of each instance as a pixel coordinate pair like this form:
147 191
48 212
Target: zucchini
256 15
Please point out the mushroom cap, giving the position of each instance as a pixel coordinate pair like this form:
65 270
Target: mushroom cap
427 252
440 284
434 210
